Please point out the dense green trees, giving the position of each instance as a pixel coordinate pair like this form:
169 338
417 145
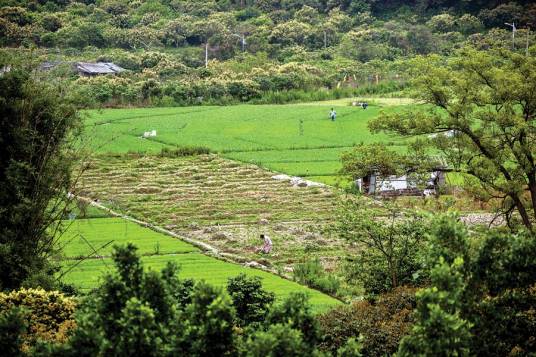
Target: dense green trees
481 297
481 118
331 36
250 301
477 296
37 124
393 240
137 312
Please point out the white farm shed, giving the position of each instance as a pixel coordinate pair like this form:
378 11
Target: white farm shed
374 184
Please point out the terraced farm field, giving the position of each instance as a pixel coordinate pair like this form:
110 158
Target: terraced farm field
85 237
296 139
220 202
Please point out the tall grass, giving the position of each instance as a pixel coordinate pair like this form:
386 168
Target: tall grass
184 151
300 95
312 274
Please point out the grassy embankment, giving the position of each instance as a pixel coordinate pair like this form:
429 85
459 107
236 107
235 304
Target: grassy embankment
157 249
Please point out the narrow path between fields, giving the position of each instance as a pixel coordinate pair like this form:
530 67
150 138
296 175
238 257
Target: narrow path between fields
207 248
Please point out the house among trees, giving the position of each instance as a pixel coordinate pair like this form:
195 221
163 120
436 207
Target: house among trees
48 65
87 69
5 69
406 185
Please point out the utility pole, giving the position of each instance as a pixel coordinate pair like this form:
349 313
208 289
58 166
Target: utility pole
242 38
527 47
206 54
513 26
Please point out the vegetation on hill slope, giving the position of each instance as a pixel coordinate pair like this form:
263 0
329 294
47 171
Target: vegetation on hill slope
296 47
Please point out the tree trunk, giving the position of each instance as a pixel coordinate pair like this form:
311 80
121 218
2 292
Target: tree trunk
522 211
532 189
392 270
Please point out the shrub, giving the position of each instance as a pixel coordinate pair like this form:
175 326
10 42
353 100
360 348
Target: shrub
312 274
482 294
250 300
439 329
147 313
50 314
393 240
210 319
351 348
243 90
442 23
503 319
184 151
13 326
296 311
278 340
381 324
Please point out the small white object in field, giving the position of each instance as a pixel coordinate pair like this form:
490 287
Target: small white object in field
254 264
148 134
297 181
220 235
314 184
281 177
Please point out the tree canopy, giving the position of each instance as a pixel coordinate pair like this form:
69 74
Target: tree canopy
478 114
35 175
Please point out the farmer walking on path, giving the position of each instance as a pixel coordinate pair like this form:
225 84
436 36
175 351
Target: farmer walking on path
332 114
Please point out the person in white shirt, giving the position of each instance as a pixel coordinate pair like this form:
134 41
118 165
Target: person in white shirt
332 114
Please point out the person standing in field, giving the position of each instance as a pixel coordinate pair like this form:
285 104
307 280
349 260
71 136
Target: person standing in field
267 246
332 114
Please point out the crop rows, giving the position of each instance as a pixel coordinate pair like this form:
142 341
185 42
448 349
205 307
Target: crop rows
294 139
219 201
85 237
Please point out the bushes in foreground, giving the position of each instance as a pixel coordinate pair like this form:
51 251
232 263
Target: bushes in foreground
44 315
382 323
137 312
312 274
479 300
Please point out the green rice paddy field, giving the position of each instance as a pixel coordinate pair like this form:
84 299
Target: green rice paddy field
296 139
85 236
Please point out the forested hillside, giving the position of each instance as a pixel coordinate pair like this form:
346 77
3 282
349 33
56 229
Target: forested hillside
255 49
389 209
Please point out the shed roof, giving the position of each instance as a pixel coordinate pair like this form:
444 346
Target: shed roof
98 68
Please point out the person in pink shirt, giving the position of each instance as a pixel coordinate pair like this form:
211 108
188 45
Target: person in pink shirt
267 247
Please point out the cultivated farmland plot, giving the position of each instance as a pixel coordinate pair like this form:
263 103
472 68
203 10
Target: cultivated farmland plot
84 236
295 139
221 202
225 203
